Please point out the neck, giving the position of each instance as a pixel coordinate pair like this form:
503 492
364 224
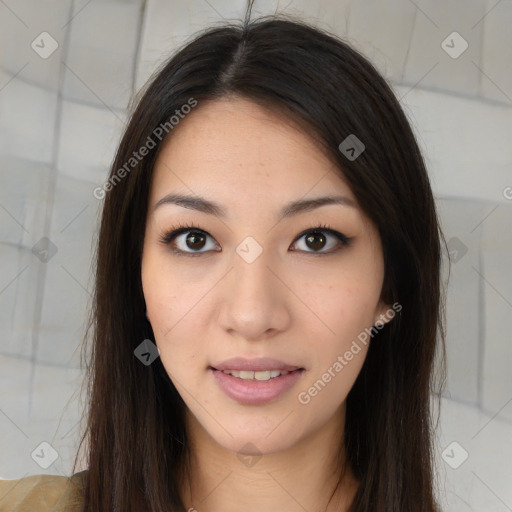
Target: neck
312 475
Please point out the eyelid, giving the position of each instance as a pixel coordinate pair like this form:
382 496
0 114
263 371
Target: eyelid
168 237
324 228
174 232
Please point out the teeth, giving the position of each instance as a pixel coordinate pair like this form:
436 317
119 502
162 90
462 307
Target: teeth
262 375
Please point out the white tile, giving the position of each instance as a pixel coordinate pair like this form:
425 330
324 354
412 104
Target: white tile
467 143
333 16
27 119
68 280
55 393
63 319
15 389
382 31
100 57
19 278
88 141
435 21
24 188
488 442
497 290
458 219
169 24
54 418
14 413
497 85
21 22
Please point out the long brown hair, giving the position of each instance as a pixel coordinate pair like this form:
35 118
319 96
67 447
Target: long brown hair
136 439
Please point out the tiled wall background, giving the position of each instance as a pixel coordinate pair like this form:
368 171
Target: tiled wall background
61 117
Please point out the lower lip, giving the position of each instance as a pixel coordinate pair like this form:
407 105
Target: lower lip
255 392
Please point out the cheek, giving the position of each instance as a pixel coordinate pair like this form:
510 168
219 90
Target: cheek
343 308
338 360
168 307
161 290
159 295
339 343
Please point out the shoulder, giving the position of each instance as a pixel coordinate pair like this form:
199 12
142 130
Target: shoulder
42 493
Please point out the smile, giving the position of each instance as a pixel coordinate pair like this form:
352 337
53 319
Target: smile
260 375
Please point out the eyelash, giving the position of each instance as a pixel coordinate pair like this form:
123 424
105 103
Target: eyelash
170 235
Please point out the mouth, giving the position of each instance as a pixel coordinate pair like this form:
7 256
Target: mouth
255 382
262 375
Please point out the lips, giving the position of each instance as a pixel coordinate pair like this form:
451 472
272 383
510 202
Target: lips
255 391
255 381
254 365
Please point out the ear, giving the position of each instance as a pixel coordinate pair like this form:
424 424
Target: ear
384 313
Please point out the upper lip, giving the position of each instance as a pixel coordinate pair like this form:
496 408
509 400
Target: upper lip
255 365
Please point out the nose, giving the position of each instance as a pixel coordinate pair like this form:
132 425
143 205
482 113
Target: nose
254 300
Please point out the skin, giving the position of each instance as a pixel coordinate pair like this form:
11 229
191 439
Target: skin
291 304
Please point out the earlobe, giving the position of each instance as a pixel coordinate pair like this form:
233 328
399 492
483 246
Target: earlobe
385 313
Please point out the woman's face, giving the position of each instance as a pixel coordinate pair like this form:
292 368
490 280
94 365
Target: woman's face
256 278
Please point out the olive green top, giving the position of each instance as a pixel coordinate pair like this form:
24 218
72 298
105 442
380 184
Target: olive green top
42 493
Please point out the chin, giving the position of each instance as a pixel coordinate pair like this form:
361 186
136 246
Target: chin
254 441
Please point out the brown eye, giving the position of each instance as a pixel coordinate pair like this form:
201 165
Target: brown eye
189 241
192 242
195 240
316 241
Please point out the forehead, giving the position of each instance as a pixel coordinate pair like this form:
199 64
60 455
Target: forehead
235 147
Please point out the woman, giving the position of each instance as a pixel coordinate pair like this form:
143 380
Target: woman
268 291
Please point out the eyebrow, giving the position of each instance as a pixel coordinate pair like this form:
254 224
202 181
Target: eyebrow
212 208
